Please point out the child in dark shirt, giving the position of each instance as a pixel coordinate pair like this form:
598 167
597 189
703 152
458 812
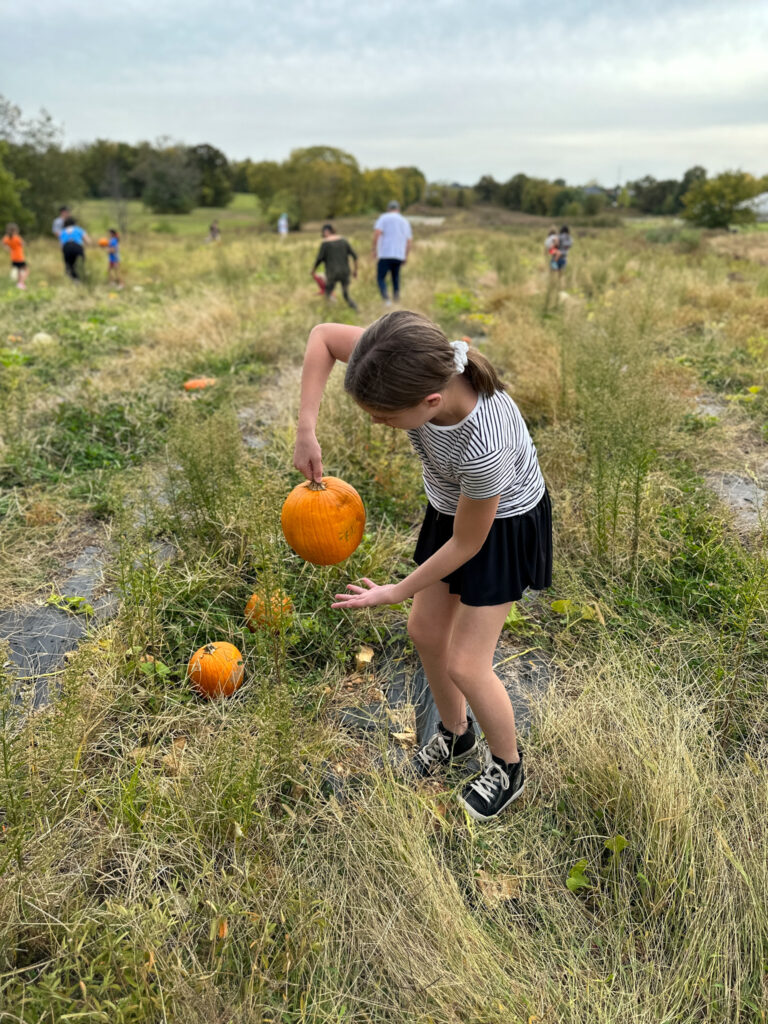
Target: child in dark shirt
335 252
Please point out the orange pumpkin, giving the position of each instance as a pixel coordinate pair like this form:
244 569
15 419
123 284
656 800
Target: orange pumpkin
103 242
263 611
324 522
216 670
196 383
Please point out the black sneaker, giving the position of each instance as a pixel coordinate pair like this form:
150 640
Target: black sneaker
497 786
443 749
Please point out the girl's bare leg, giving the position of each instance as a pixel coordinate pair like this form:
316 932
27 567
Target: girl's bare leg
430 625
472 644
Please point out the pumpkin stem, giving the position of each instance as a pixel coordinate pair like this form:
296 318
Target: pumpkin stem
313 485
210 648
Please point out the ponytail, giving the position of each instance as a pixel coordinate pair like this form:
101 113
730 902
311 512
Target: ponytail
482 375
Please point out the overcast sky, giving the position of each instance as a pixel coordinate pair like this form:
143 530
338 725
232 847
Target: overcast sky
578 90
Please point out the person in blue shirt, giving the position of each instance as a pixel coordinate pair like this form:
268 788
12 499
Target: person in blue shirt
73 238
113 258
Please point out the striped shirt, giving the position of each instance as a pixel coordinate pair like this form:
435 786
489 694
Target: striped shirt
487 453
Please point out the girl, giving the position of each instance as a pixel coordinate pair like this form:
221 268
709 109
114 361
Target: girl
113 258
487 534
13 241
72 239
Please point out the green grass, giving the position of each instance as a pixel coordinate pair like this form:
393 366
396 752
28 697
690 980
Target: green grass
165 858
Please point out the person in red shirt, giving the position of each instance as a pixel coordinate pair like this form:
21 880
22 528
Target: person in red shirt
13 241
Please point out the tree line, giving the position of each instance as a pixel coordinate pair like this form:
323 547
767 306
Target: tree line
712 202
38 174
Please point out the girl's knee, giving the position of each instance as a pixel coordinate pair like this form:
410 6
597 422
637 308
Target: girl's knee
425 633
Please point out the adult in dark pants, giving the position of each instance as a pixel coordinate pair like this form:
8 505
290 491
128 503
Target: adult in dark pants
335 252
392 238
73 238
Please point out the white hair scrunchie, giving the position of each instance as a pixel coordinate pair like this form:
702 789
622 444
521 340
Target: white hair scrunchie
460 357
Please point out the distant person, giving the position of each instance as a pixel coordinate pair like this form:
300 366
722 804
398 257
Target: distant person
214 232
113 259
282 225
58 221
14 243
555 255
335 252
565 243
550 243
392 237
73 240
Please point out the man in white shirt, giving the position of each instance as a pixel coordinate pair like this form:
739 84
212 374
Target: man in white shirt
58 222
392 237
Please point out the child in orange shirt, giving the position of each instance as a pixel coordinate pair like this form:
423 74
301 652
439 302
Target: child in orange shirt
13 241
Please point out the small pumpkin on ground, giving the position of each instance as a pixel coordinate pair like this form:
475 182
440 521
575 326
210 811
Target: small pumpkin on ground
198 383
266 611
323 522
216 670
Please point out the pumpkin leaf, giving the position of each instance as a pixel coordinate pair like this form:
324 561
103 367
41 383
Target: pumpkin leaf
577 878
616 844
515 618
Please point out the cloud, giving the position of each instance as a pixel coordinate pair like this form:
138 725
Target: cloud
454 88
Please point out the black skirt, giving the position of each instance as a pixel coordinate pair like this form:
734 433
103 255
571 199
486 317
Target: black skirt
517 554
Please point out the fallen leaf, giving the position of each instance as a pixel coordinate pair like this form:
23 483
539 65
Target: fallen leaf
149 960
363 658
139 753
497 888
223 928
352 680
180 742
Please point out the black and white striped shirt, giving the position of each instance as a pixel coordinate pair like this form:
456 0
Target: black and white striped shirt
489 452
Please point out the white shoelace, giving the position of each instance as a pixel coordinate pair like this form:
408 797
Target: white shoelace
493 776
433 750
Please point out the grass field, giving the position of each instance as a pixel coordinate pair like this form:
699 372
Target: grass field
162 858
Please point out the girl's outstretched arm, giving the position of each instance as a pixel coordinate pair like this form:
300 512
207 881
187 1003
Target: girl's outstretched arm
326 344
471 525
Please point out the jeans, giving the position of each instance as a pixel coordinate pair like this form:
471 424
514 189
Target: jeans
389 266
74 255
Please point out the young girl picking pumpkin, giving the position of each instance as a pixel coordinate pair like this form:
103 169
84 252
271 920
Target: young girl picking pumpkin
486 536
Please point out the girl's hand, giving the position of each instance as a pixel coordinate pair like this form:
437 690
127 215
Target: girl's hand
308 458
368 596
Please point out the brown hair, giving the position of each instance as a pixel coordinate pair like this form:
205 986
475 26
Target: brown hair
403 357
12 229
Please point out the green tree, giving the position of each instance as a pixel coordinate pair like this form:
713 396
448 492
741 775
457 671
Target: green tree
34 156
170 182
593 203
215 180
381 186
487 189
325 181
11 189
265 178
538 196
511 192
413 184
283 201
713 203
